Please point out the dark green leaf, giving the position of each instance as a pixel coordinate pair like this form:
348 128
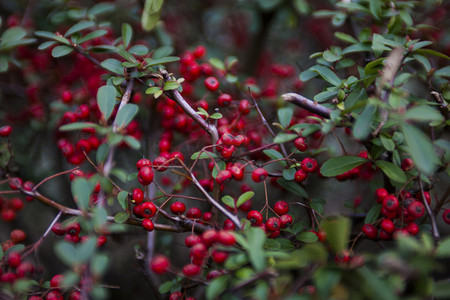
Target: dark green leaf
86 249
52 36
21 285
284 137
293 187
165 287
338 165
387 142
79 27
46 45
374 286
363 124
373 214
330 56
92 35
77 126
289 174
375 8
122 197
228 200
203 155
81 191
132 142
441 289
152 90
256 238
285 116
160 61
431 52
345 37
443 250
106 100
338 232
392 171
325 95
100 217
113 65
307 237
221 164
421 149
121 217
244 198
162 52
127 34
62 50
3 64
125 115
102 152
327 74
307 75
100 8
357 48
139 50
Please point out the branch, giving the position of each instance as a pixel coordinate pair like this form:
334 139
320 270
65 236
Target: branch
434 228
307 104
176 96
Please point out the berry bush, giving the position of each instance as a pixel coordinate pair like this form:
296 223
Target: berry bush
264 149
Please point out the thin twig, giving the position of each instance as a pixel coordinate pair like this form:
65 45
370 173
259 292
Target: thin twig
434 228
307 104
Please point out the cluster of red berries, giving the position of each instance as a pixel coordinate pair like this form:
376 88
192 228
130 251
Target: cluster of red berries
399 216
13 268
273 225
57 290
10 207
71 233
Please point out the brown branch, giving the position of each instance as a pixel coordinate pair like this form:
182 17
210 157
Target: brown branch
176 96
307 104
434 228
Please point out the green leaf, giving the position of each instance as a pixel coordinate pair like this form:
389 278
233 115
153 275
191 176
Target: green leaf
100 217
363 124
216 116
102 152
99 264
81 191
357 48
307 237
217 63
139 50
421 150
100 8
327 75
338 165
92 35
285 116
373 214
221 164
284 137
256 238
22 285
338 232
171 85
66 253
46 45
125 115
374 286
217 286
52 36
307 75
61 50
121 217
79 27
165 287
345 37
113 65
86 249
228 200
160 61
127 34
152 90
424 61
162 52
293 187
122 198
431 52
12 35
387 142
274 154
375 8
203 155
443 250
325 95
289 174
106 100
330 56
244 198
150 14
423 113
132 142
77 126
392 171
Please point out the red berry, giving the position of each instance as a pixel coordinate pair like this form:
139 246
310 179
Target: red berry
145 175
407 164
209 237
58 229
387 225
160 164
211 83
228 225
223 176
142 163
300 175
56 281
191 270
285 221
384 235
370 231
147 209
14 259
237 172
199 51
219 256
67 97
8 214
159 264
177 208
412 228
76 173
390 203
390 214
101 240
416 209
281 207
148 224
226 238
446 216
194 213
164 145
176 296
73 229
224 100
198 251
309 165
54 295
273 224
255 217
381 193
244 107
300 144
75 295
15 183
192 240
138 196
259 175
18 236
5 131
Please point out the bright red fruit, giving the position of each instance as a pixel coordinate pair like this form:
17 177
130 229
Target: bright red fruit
147 209
226 238
159 264
145 175
390 203
416 209
177 208
281 207
309 165
5 131
300 175
370 231
300 144
255 217
259 175
138 196
194 213
446 216
387 225
148 224
273 224
191 270
211 83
